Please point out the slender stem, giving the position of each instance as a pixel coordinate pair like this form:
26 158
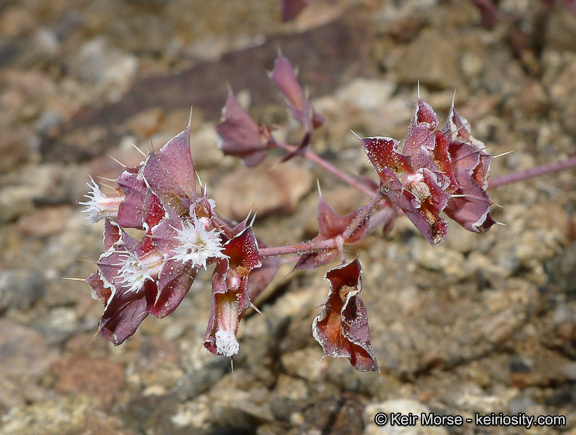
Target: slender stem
383 216
299 248
313 157
364 212
533 172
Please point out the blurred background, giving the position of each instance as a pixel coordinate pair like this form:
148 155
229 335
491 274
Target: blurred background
478 324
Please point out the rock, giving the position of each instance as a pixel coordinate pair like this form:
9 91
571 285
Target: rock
236 408
306 363
22 351
15 201
200 381
54 416
45 221
17 21
265 189
105 66
146 123
154 414
561 85
20 288
25 358
520 403
569 370
58 324
342 416
450 262
532 100
432 60
561 270
367 94
567 116
560 32
99 378
403 406
14 147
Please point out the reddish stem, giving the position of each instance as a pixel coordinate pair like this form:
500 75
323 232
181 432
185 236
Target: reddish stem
299 248
358 220
382 216
313 157
533 172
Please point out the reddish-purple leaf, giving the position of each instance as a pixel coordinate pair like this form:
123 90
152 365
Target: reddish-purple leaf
470 166
125 282
111 233
342 327
240 136
125 308
284 76
263 275
174 282
131 211
170 174
123 315
421 130
330 225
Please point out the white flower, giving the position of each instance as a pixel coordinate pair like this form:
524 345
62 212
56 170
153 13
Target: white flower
226 343
197 244
134 271
99 205
227 321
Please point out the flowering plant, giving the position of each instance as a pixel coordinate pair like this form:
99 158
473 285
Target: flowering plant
433 170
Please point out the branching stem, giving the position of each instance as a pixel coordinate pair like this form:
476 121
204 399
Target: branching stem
388 211
313 157
533 172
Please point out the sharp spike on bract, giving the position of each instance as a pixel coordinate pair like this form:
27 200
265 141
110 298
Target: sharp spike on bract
357 137
190 118
232 364
117 161
107 185
107 179
229 87
255 308
501 224
73 279
87 261
253 219
95 336
418 87
279 51
318 185
503 154
198 178
139 150
453 97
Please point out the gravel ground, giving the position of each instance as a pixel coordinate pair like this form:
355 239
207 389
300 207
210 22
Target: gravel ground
479 324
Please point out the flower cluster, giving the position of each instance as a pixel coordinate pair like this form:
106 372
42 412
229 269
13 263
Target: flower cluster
433 171
181 234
